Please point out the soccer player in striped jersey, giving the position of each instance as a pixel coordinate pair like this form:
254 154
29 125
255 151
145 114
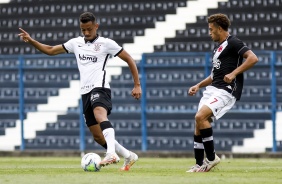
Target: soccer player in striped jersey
223 88
92 53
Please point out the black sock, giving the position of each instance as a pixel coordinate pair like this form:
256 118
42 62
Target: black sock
207 136
199 151
105 124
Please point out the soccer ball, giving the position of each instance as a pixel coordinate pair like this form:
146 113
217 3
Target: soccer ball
91 162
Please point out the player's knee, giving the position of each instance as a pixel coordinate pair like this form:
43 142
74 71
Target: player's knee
199 118
100 114
100 119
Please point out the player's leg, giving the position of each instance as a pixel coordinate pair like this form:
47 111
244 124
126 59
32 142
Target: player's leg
99 138
102 106
108 131
98 135
199 152
94 126
202 119
91 122
215 107
129 157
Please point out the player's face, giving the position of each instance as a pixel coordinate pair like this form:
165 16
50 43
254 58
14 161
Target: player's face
214 32
89 30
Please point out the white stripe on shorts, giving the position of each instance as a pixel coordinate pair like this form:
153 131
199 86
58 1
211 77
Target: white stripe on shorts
208 139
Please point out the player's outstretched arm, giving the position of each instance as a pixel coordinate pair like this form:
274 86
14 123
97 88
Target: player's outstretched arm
46 49
136 92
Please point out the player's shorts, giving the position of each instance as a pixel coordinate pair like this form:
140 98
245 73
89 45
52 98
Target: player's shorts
97 97
218 100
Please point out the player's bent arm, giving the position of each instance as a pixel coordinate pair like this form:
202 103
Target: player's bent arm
207 81
251 60
193 90
132 66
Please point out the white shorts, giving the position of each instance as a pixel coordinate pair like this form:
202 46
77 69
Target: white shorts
218 100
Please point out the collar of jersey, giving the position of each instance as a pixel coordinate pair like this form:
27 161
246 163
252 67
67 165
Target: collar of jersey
91 41
229 36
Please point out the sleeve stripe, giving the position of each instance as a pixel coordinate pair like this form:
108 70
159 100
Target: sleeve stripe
241 49
118 52
65 48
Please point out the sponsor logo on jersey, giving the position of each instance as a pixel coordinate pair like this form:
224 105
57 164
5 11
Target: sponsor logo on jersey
88 87
216 63
88 58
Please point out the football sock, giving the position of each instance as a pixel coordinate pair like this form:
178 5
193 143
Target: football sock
109 134
199 151
122 150
207 136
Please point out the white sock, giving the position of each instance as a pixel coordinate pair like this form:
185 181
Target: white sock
109 134
122 150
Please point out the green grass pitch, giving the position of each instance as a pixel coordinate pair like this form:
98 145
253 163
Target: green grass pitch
59 170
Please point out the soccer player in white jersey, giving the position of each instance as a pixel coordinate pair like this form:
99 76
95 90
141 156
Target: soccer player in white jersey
223 87
92 52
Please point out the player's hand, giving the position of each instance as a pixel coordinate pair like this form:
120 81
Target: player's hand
229 78
193 90
24 35
136 92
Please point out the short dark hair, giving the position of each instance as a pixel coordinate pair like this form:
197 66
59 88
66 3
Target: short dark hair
220 20
86 17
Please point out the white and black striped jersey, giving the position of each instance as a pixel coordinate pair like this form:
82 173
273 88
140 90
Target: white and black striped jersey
227 56
92 59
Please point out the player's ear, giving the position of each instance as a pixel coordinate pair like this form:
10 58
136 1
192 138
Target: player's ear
96 25
220 28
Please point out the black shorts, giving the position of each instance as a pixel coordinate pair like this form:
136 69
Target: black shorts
97 97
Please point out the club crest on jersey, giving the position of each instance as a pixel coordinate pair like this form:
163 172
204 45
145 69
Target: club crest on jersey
220 49
216 64
97 46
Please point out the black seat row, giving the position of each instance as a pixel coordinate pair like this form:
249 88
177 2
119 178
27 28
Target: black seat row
63 8
243 30
250 3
